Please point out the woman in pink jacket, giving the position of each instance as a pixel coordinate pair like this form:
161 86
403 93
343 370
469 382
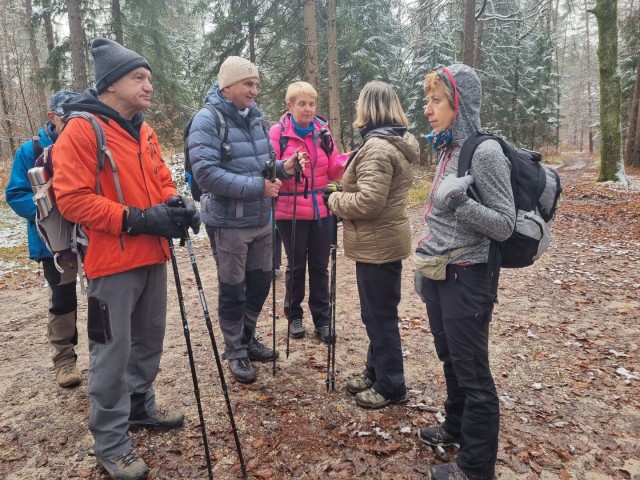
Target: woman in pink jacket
300 129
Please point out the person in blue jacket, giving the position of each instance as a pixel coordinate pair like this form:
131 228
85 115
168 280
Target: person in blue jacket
60 275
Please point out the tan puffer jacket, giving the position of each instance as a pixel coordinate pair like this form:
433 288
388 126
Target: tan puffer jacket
372 206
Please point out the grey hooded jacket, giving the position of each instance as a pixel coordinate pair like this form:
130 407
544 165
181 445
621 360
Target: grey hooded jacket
472 225
234 188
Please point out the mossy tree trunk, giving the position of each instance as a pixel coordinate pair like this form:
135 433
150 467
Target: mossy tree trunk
632 155
611 168
334 73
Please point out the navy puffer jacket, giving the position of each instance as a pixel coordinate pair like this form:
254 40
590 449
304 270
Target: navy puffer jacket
234 188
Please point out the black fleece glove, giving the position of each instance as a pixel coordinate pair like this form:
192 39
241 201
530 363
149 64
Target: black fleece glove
190 207
160 220
328 190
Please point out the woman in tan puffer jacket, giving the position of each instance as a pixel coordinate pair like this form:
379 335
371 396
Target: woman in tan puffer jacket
377 235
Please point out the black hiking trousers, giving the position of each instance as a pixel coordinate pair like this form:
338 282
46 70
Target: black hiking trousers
459 310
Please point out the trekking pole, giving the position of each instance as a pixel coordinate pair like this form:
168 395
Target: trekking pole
272 177
207 319
331 346
293 243
192 365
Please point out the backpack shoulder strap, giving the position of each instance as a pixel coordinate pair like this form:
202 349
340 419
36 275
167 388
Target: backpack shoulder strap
37 147
223 131
103 151
468 149
283 140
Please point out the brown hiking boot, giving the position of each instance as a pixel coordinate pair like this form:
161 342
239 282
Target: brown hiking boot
68 375
162 418
372 399
126 466
359 384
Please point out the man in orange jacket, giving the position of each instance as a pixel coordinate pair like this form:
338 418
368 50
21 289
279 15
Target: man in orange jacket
128 249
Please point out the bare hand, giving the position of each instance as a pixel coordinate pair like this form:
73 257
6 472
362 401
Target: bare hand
271 189
298 158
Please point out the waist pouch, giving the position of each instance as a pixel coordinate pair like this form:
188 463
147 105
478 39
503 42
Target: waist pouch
434 267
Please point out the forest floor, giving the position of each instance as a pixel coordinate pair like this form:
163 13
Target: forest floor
565 353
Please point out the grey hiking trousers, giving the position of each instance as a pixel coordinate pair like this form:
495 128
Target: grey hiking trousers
244 258
126 324
61 326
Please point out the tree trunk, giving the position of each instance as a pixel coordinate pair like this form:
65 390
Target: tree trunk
53 67
469 30
477 57
636 145
77 41
515 88
334 75
611 167
7 114
35 63
116 18
311 43
631 155
589 97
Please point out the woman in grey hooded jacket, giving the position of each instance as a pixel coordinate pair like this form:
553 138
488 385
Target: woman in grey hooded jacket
453 277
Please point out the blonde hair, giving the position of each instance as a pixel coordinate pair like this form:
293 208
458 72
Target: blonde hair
297 89
433 83
378 105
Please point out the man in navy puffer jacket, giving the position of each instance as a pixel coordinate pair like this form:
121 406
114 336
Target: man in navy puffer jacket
238 192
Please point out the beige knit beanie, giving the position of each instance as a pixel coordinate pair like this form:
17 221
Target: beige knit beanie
234 70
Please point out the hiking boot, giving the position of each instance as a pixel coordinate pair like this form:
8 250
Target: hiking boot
162 418
126 466
277 272
437 437
296 329
359 384
68 375
324 334
260 352
451 471
242 370
372 399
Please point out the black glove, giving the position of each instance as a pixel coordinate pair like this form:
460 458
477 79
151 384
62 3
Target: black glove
160 220
328 190
190 207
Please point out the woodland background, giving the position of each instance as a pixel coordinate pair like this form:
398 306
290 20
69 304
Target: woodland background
537 60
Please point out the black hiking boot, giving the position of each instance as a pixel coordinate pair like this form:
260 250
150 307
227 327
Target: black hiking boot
324 334
451 471
242 370
259 352
296 329
437 437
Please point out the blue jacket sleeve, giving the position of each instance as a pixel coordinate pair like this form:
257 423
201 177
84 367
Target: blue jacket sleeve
18 192
210 171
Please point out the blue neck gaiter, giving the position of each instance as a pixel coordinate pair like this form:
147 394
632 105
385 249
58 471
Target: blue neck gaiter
301 132
441 139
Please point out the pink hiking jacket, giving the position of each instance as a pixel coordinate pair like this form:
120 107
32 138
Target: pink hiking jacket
320 170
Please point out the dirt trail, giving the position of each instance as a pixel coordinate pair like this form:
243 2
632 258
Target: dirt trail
563 331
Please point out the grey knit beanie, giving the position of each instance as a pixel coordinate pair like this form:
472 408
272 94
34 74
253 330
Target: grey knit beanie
112 62
234 70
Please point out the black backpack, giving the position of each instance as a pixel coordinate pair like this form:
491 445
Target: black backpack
223 133
536 191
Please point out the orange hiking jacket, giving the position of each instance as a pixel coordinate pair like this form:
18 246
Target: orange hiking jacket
145 180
